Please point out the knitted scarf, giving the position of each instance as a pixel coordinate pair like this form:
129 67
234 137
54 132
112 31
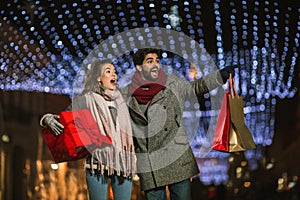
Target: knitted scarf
119 157
144 90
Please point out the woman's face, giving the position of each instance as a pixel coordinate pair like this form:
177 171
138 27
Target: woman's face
108 77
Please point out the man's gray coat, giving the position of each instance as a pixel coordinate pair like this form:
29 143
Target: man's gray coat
164 155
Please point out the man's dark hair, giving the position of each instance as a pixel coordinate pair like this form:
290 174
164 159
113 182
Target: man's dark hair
140 55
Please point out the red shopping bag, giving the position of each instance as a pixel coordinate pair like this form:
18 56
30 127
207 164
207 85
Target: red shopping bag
221 135
80 136
231 133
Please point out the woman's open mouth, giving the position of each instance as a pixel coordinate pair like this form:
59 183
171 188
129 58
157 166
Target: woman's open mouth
113 81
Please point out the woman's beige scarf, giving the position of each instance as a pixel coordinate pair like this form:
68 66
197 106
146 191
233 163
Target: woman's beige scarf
120 157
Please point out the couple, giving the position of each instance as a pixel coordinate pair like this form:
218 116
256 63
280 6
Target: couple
150 110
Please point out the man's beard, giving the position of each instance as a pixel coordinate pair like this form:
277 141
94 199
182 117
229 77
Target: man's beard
147 74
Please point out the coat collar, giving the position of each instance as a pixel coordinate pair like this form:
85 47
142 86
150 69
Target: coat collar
134 107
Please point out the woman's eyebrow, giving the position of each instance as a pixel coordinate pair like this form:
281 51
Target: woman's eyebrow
107 68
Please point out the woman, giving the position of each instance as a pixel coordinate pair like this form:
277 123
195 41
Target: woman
117 161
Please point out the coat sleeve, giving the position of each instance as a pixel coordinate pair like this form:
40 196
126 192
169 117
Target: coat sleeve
78 103
207 83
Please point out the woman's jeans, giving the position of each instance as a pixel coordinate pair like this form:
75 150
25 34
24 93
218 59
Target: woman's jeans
178 191
98 186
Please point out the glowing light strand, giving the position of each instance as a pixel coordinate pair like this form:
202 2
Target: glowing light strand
220 49
271 75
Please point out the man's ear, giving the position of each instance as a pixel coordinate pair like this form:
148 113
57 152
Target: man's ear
139 67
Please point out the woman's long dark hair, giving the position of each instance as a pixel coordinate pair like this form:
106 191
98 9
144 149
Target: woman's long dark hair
91 83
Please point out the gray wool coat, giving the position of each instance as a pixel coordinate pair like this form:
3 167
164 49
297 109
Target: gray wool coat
164 155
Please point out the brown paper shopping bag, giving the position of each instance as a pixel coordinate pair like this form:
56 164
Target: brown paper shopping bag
240 138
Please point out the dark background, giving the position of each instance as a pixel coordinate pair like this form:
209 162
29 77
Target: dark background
21 110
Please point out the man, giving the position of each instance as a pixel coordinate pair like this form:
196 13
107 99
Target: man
155 100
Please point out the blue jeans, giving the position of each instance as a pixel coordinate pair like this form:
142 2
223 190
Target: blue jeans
178 191
98 186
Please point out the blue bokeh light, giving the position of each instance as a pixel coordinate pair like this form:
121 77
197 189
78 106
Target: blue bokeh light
43 46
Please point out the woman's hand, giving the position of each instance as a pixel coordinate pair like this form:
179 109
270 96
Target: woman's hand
51 120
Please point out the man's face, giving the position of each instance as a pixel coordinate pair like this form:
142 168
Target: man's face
150 67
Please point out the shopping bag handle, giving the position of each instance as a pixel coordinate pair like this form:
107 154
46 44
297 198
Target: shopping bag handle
231 86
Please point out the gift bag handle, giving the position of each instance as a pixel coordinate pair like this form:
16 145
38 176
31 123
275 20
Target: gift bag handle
231 86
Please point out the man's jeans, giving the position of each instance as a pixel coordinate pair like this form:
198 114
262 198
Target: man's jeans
178 191
98 186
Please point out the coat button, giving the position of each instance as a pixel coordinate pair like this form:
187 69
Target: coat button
166 129
164 107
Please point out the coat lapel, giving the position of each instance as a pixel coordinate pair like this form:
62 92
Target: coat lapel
135 111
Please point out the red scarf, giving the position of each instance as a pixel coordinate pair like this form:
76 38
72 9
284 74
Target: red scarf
144 90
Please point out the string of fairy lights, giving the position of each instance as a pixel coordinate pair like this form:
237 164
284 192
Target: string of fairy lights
43 45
